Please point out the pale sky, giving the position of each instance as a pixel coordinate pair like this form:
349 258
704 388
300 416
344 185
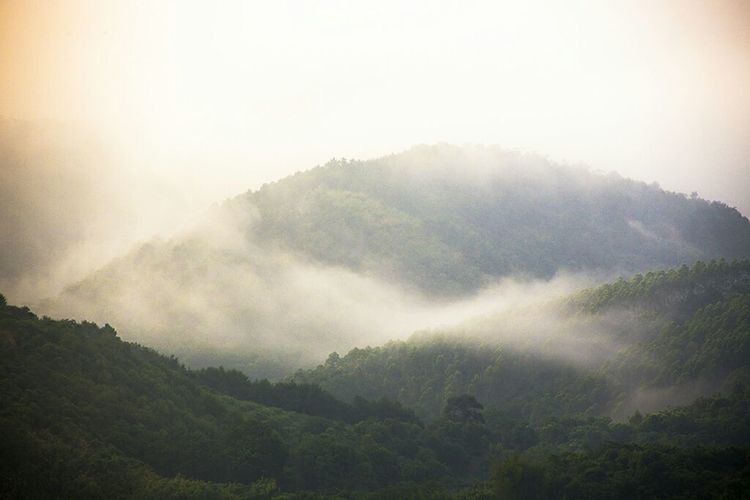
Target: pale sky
208 99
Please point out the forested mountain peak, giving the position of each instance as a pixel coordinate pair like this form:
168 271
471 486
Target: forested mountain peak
353 253
450 219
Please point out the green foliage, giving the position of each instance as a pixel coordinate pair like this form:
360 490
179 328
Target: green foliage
303 398
688 333
427 372
715 421
48 464
464 408
449 219
519 478
86 415
619 471
710 346
441 221
82 384
674 292
83 414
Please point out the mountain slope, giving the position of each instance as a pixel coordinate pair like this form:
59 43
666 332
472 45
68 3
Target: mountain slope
666 338
357 253
79 399
85 415
448 219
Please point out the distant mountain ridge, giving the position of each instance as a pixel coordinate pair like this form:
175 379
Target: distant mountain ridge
350 253
448 219
664 352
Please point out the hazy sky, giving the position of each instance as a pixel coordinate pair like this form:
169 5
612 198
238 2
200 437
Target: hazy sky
212 98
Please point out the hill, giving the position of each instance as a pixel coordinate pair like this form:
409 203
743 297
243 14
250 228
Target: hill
449 219
643 344
85 415
357 253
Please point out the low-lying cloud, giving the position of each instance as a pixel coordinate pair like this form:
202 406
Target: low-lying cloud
213 295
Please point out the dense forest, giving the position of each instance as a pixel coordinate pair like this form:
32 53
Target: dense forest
374 250
681 333
448 219
447 414
345 254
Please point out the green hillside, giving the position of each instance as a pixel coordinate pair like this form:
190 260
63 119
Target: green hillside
277 278
85 415
448 219
680 333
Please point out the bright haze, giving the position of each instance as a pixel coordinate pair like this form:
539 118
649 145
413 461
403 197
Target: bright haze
136 116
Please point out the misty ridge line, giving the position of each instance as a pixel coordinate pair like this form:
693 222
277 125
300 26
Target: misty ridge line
652 342
357 253
277 302
45 170
524 272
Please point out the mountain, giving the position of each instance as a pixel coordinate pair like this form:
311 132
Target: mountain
85 415
448 220
659 339
356 253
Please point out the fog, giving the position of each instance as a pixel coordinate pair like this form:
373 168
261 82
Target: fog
213 295
168 107
69 204
125 122
552 330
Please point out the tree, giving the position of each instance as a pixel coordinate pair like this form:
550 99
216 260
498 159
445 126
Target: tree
463 409
519 478
255 451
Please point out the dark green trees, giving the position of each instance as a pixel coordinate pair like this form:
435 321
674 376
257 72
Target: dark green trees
617 471
255 451
463 409
448 219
